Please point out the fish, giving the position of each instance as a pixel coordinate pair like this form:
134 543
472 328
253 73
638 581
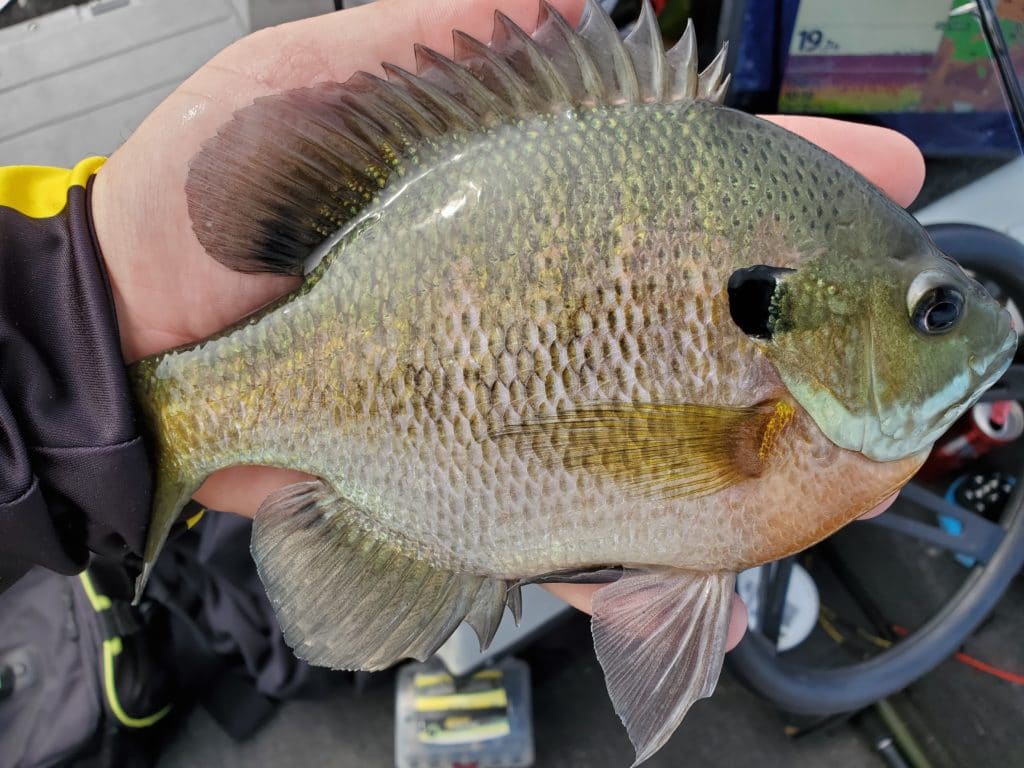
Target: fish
563 316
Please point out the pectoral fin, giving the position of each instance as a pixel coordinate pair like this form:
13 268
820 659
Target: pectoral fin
661 450
349 599
660 638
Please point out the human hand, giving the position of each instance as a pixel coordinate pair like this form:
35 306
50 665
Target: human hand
168 292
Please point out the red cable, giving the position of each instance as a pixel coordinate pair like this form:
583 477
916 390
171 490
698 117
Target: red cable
1002 674
1000 412
970 661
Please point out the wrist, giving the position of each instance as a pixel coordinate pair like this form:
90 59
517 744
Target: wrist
167 291
112 234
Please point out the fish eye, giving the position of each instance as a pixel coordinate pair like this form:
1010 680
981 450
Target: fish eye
935 305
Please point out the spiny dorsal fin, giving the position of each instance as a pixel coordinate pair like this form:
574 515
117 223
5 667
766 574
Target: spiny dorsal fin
648 54
292 169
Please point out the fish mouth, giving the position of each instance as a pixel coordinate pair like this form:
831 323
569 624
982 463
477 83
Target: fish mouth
983 379
1001 359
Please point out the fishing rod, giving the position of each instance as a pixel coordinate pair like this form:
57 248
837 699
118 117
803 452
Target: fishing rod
993 31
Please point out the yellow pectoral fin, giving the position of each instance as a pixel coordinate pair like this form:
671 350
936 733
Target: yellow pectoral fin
661 450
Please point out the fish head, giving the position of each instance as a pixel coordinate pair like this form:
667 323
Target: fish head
883 340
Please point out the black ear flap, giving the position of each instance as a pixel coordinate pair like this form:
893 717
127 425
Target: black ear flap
751 291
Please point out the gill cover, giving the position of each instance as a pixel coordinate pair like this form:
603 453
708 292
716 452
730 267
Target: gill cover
884 350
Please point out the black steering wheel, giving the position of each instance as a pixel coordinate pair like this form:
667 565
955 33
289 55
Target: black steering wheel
998 549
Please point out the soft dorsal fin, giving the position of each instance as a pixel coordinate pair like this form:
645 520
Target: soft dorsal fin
292 169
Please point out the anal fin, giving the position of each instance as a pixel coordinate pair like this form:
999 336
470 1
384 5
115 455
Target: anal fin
488 608
515 602
348 600
660 638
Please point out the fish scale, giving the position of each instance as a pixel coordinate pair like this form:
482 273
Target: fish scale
577 281
576 322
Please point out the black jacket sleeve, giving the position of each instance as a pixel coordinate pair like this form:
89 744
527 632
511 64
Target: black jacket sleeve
74 474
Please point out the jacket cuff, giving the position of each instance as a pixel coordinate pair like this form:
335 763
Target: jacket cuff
74 474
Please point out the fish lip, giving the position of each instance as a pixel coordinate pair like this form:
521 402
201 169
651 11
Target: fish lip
1004 355
982 381
1001 360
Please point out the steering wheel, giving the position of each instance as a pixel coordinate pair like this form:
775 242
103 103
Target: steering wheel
998 549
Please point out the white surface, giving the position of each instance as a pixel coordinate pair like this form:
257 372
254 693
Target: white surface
800 613
870 27
995 201
265 13
78 81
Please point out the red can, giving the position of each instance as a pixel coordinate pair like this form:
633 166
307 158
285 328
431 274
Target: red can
984 427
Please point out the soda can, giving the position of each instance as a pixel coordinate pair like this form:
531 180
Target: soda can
985 426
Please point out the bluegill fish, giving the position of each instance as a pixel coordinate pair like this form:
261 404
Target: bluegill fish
564 316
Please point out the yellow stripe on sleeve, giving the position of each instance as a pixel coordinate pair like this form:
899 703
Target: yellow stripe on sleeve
191 522
40 192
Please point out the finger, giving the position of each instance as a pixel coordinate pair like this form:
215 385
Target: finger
888 159
576 595
580 596
879 508
737 623
242 489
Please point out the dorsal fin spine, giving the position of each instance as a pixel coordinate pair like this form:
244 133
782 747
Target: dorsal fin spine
601 37
469 50
557 91
710 80
469 91
682 60
448 109
647 51
718 94
552 31
416 121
